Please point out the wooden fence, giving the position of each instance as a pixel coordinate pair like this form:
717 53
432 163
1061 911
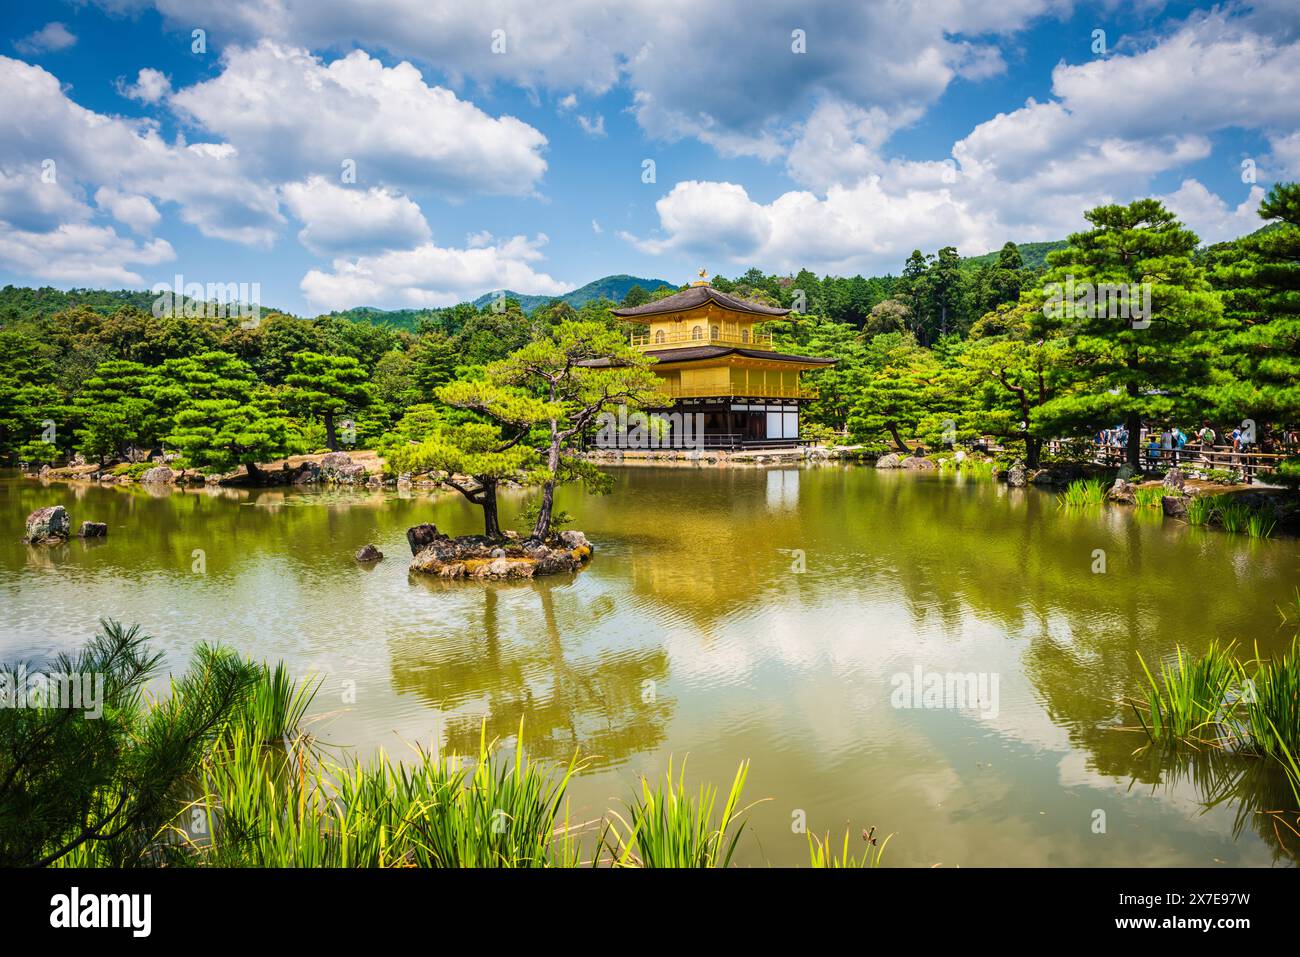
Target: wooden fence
1190 456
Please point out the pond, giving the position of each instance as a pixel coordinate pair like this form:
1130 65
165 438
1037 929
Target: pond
780 616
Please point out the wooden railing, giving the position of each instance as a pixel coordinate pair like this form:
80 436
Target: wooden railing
669 340
1224 457
730 392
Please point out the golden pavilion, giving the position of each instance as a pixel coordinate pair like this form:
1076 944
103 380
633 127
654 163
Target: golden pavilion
716 361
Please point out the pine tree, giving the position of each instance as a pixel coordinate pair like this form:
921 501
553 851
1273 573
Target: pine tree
895 390
635 296
1139 320
1007 371
474 457
329 386
1259 279
117 409
575 395
223 417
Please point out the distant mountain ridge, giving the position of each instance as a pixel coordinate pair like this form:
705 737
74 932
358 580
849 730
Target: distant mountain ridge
19 301
1034 255
607 287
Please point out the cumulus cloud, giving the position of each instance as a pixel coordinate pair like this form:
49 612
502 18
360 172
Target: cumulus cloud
431 275
1210 74
30 203
48 39
81 254
150 86
692 70
1285 159
348 219
207 182
592 126
1209 216
1026 174
289 114
857 228
134 211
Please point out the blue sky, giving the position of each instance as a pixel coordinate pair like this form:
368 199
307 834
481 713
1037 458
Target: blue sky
501 144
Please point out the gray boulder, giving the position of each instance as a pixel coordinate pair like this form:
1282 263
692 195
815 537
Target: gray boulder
1017 477
891 461
158 475
421 537
1175 479
1121 492
93 530
369 553
48 526
1174 506
575 539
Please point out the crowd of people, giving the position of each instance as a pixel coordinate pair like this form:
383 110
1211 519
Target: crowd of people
1170 445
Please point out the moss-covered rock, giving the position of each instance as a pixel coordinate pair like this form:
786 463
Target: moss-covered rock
477 557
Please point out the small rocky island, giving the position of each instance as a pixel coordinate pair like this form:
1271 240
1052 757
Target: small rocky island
483 558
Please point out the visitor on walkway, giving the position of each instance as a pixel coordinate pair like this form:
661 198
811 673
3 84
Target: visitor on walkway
1206 437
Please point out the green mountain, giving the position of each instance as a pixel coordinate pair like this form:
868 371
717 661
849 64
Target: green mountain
29 302
406 319
610 287
1034 255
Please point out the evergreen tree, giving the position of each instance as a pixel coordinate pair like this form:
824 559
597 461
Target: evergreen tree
894 390
636 296
1128 363
117 410
1007 371
1259 278
434 357
576 394
329 386
474 457
223 418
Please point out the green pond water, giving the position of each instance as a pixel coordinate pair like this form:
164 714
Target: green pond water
729 614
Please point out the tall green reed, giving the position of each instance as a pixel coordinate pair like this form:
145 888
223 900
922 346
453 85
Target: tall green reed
667 827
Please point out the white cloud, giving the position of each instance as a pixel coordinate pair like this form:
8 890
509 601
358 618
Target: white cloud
290 114
349 219
1212 219
1116 121
842 143
48 39
81 254
134 211
1027 174
725 72
30 204
430 275
858 228
1211 74
592 127
150 86
208 182
1285 158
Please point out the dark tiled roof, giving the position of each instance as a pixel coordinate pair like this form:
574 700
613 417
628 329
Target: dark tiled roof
698 353
694 296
